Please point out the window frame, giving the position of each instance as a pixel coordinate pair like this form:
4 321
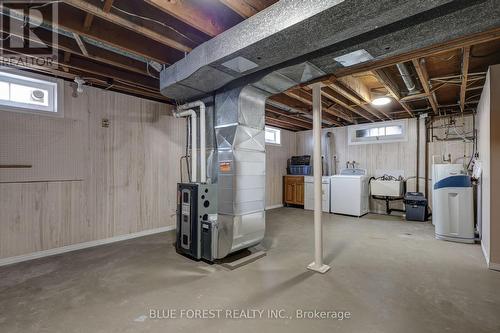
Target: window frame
403 137
275 130
54 86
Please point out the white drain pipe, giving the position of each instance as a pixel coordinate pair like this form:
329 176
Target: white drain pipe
194 141
203 145
317 265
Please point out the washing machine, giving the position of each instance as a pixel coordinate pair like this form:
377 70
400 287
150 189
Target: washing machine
349 192
453 209
309 193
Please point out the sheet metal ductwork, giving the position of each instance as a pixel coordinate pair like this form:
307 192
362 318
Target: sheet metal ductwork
242 168
241 156
407 78
329 34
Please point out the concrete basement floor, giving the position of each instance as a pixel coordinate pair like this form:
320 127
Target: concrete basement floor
393 276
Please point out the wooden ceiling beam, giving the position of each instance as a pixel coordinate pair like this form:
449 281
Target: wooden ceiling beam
431 50
69 47
306 98
89 18
341 91
190 14
113 73
118 20
97 80
87 22
296 113
241 7
465 73
111 36
385 80
276 123
334 99
423 76
293 119
286 120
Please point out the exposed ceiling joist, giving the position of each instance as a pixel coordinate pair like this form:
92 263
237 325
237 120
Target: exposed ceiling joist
331 106
386 82
89 18
465 74
102 70
454 44
293 119
99 83
280 124
87 22
69 46
286 120
423 76
341 103
357 86
242 7
272 104
306 98
189 14
341 91
118 20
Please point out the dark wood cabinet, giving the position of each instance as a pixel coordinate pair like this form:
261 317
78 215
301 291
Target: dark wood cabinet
293 190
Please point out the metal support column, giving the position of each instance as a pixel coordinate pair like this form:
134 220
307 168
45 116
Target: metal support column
317 265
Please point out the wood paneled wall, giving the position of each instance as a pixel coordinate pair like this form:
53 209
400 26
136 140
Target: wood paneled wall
128 173
276 160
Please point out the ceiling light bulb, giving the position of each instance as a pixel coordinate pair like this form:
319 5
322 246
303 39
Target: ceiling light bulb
381 101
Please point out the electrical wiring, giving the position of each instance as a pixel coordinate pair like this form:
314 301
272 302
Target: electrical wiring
46 4
154 21
444 59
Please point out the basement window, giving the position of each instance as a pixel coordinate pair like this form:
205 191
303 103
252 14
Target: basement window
383 132
273 136
26 92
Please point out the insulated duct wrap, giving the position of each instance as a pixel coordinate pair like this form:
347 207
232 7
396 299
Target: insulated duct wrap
241 168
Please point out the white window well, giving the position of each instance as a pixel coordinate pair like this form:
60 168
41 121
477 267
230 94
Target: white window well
273 136
27 92
383 132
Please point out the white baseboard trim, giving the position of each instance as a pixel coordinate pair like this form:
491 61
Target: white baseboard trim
485 254
274 207
80 246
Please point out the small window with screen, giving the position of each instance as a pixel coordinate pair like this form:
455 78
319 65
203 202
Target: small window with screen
392 131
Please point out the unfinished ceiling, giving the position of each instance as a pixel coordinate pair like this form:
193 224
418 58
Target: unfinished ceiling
119 45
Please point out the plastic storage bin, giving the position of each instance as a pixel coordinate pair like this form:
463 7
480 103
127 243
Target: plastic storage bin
415 206
301 170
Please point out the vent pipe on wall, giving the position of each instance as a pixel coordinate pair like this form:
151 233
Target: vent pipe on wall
194 142
203 146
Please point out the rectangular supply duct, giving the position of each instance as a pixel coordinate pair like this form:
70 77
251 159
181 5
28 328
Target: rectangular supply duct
241 164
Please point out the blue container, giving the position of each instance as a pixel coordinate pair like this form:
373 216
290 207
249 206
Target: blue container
302 170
